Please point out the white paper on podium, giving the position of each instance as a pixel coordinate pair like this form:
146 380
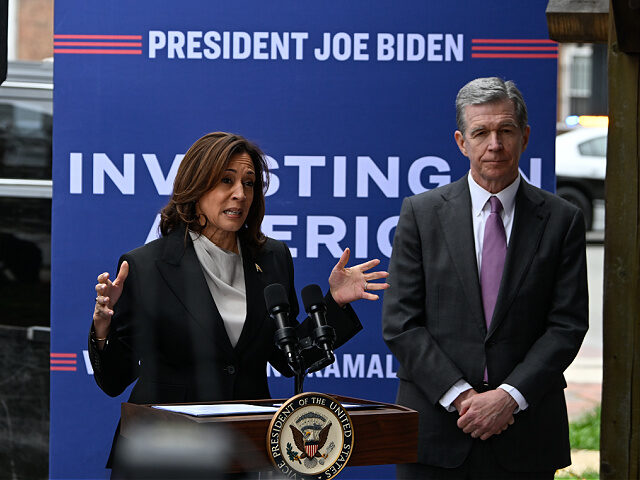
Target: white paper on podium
218 410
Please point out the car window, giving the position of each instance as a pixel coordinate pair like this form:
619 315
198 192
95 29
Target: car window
26 123
25 141
596 147
25 260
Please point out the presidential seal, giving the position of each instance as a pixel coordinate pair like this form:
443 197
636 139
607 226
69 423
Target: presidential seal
310 437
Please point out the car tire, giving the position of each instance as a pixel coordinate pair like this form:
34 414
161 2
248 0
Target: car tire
580 200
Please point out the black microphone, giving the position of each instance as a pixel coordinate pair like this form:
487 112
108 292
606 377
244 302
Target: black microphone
323 334
285 337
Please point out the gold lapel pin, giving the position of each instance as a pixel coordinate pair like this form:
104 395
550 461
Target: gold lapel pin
258 269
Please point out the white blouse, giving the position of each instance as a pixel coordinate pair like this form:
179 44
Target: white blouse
225 278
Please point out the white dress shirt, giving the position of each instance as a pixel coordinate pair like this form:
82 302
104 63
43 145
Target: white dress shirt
480 210
225 277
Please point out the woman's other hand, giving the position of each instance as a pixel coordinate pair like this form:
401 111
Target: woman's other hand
108 293
352 283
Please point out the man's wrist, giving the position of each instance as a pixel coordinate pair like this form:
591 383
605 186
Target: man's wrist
516 395
462 397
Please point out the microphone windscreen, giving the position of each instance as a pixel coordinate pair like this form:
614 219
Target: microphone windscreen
312 295
275 296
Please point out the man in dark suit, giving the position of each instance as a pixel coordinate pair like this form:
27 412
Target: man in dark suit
488 305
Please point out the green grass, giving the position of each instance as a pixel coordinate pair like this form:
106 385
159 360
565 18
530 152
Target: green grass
589 475
584 433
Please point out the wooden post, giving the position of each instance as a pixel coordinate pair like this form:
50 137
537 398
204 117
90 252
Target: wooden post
620 428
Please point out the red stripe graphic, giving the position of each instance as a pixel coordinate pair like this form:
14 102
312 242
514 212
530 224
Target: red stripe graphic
526 47
512 40
123 44
514 55
99 37
96 44
554 49
120 52
57 360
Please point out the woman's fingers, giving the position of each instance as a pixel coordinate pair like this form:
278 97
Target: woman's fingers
376 286
363 267
122 274
102 310
103 277
102 300
344 258
369 296
375 275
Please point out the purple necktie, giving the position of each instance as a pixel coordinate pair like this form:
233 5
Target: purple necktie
494 250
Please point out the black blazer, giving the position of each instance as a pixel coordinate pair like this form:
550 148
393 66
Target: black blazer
434 324
167 332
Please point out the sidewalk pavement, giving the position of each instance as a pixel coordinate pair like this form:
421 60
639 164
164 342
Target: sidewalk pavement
583 394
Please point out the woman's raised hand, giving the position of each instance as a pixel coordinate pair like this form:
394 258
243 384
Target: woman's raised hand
108 293
352 283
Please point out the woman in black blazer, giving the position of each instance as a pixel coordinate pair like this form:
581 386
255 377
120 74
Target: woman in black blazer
186 315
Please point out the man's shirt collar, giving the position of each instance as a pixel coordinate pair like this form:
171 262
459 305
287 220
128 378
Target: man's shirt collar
480 196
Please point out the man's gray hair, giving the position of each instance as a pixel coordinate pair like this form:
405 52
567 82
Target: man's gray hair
487 90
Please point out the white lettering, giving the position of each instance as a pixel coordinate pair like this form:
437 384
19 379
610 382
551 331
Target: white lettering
157 41
383 237
193 44
360 47
433 47
535 172
351 368
323 53
274 181
454 46
87 362
400 49
415 47
175 44
268 227
304 164
154 231
341 46
272 371
375 367
389 372
385 49
279 46
75 173
416 168
299 38
362 237
315 238
211 40
164 186
260 45
241 45
333 369
388 185
339 176
124 181
411 47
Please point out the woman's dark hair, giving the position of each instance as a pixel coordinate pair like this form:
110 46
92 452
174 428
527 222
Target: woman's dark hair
200 170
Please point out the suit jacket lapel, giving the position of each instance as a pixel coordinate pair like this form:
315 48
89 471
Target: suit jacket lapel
455 219
181 270
529 223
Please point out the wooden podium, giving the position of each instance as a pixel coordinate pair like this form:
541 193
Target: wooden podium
384 433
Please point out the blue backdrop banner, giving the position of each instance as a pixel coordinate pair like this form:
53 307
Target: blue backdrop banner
353 102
